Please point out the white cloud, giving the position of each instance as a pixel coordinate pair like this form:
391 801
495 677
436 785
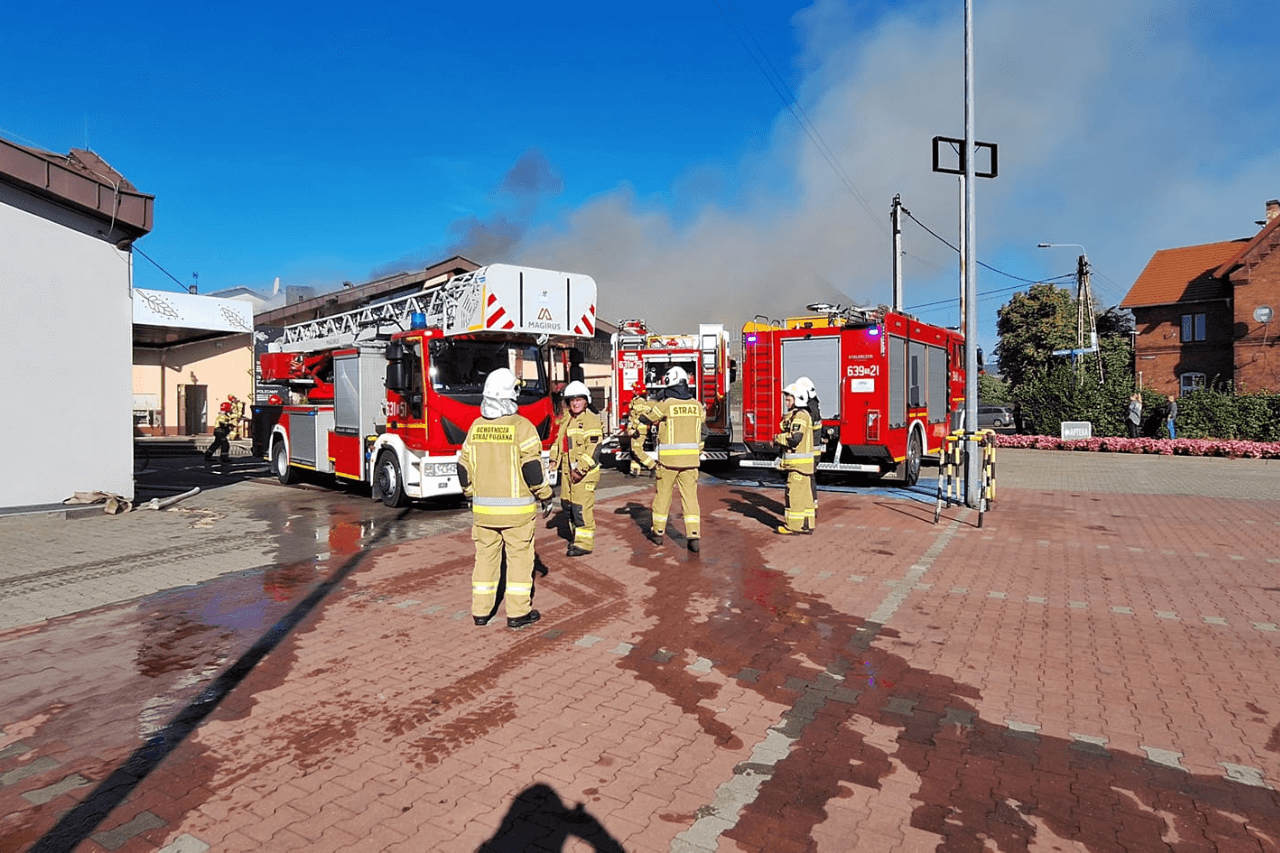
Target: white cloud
1119 126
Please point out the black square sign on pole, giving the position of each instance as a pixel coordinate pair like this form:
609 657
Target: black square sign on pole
958 145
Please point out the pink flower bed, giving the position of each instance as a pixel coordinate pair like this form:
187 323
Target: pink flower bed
1160 446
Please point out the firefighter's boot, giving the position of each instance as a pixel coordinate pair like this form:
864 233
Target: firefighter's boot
695 545
521 621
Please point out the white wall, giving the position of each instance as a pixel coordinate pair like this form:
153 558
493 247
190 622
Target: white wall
67 316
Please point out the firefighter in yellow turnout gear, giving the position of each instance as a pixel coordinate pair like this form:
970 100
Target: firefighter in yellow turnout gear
638 430
795 439
576 454
680 420
805 384
500 469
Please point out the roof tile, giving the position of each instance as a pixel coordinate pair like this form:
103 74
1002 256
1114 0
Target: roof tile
1184 274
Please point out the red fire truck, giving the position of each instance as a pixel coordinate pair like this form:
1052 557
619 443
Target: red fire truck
640 354
385 394
890 386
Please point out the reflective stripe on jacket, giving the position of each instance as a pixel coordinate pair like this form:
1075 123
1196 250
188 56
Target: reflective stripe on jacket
494 453
679 424
795 438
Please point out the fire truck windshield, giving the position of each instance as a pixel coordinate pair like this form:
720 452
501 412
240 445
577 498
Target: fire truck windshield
459 368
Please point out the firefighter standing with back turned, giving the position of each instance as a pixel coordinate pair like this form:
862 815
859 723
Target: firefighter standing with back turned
638 430
795 438
500 469
577 454
805 384
679 419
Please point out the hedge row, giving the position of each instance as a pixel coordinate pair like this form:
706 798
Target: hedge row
1161 446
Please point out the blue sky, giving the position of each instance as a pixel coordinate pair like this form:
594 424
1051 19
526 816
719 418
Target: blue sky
646 146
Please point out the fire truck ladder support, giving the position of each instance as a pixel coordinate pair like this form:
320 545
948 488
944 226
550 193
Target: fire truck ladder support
438 303
951 485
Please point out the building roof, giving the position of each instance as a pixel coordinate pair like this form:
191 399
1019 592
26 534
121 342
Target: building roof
1268 234
163 319
351 298
82 181
1186 274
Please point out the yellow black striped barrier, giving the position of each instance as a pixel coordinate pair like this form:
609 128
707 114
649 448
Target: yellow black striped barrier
951 485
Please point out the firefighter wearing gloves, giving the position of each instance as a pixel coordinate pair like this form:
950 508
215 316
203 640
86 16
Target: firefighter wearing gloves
638 430
679 419
576 454
795 439
500 469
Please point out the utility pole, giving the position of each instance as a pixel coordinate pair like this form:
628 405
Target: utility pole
895 216
972 473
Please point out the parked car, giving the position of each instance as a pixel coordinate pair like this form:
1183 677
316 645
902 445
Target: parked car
994 416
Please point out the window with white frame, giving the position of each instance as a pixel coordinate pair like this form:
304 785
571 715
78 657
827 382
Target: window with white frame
1189 382
1192 327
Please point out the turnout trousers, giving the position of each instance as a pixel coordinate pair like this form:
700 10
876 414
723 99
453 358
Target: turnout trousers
686 480
491 542
579 501
800 512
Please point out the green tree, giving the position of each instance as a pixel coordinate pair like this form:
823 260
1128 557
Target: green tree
992 390
1031 326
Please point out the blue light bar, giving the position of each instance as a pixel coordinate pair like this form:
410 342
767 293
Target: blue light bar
417 320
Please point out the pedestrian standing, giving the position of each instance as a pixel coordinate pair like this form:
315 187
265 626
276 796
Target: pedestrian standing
1171 415
1134 417
1017 417
576 454
795 439
679 419
500 469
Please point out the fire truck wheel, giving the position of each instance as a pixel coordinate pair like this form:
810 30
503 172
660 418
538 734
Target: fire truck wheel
911 465
280 462
387 481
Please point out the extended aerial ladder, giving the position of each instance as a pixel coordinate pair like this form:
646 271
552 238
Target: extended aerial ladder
391 388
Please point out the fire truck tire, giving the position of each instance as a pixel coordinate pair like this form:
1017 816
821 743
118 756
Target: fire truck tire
280 463
915 458
388 482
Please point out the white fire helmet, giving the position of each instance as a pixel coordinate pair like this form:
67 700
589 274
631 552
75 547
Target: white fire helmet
576 389
799 394
675 376
501 385
805 384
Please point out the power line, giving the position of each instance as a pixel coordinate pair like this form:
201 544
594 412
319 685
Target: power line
944 241
157 266
988 294
792 104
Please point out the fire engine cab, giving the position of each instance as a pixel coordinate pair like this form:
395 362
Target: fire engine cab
642 355
890 387
384 395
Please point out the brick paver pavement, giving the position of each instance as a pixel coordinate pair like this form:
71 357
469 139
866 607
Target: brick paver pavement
1092 670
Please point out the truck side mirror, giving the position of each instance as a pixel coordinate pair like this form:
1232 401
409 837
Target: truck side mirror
733 370
396 376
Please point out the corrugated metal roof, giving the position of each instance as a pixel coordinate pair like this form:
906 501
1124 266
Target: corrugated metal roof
1186 274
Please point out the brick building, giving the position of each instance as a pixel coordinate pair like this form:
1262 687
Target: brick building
1204 314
